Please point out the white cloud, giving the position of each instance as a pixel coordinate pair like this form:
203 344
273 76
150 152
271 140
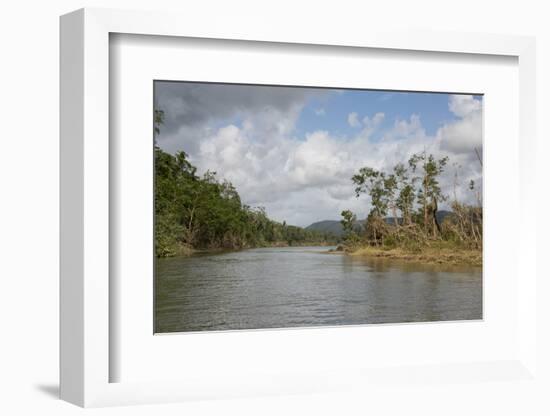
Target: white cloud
305 180
320 112
369 124
406 129
465 134
372 123
463 105
353 120
302 181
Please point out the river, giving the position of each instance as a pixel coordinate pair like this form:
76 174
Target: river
305 287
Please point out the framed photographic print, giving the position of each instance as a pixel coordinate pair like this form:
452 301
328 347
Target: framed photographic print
312 204
281 206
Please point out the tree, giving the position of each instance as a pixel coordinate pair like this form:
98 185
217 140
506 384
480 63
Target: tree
205 212
390 194
158 120
406 192
371 181
430 192
193 211
348 221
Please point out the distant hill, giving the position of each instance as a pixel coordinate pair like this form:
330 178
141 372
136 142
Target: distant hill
327 226
335 227
332 226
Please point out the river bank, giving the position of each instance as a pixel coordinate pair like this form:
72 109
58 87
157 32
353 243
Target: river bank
428 255
185 251
435 254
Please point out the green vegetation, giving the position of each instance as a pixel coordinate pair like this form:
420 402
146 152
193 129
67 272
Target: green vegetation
195 212
203 212
415 232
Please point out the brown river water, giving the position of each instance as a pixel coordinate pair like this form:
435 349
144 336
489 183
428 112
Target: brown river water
307 287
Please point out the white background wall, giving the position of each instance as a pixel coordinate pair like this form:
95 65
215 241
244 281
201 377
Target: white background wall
29 57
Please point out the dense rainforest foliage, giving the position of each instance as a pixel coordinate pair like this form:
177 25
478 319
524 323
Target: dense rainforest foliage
205 212
411 194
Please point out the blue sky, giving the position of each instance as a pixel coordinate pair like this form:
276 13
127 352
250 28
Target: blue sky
330 113
293 150
330 110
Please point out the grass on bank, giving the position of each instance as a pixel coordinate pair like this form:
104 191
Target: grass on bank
436 253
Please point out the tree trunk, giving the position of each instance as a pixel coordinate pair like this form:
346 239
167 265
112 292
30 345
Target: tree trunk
424 202
437 227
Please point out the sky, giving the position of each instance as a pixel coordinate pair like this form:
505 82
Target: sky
293 150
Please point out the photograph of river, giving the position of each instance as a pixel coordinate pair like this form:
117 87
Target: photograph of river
284 207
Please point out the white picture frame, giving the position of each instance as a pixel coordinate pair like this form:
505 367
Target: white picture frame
86 356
